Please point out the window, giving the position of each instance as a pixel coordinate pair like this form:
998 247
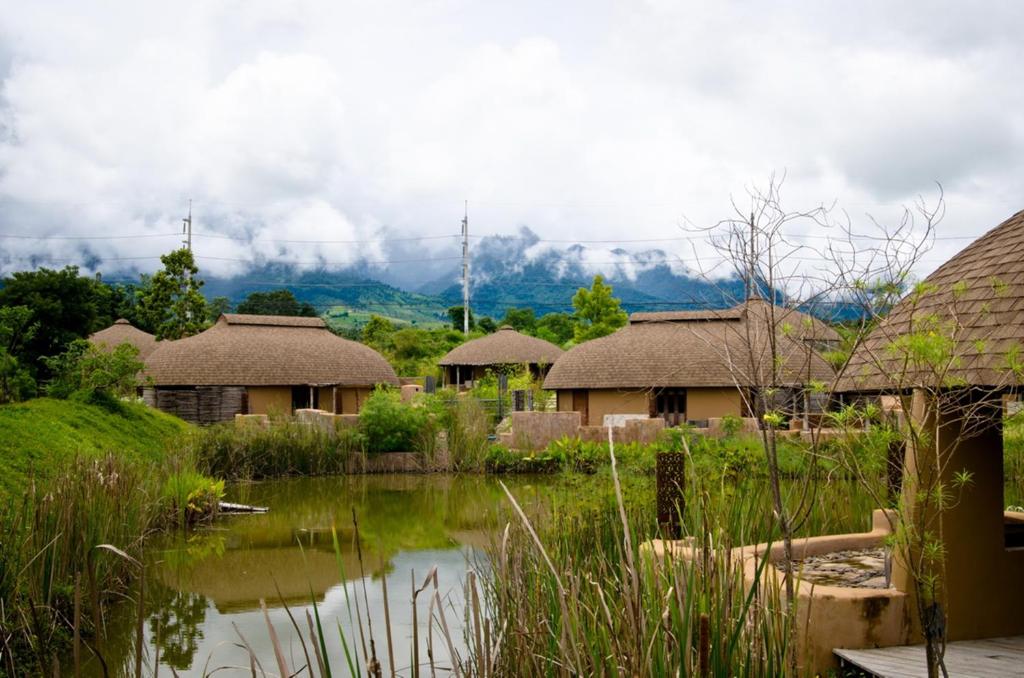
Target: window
670 405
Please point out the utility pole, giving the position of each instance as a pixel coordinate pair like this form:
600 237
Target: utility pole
186 228
751 289
465 270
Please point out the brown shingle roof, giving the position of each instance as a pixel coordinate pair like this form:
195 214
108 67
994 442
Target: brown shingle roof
985 316
504 347
267 351
123 332
693 349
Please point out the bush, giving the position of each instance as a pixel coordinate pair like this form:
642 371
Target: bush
92 375
391 425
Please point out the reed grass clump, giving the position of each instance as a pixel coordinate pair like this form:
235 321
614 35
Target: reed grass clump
70 545
285 448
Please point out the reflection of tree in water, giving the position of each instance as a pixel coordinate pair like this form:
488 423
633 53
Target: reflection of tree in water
175 624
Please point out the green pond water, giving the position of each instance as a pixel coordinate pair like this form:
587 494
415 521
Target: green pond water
204 587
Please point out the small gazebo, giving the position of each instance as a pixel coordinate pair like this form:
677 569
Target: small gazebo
123 332
472 360
975 304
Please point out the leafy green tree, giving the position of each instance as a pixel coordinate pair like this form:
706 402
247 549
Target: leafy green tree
377 333
218 306
598 313
520 319
65 306
171 303
455 315
16 328
277 302
90 373
486 325
557 328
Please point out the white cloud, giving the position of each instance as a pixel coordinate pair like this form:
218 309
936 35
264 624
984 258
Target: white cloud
309 120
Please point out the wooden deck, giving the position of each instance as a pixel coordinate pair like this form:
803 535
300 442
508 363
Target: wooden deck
991 657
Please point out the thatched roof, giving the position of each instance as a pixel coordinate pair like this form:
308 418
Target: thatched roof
123 332
258 350
976 298
698 348
504 347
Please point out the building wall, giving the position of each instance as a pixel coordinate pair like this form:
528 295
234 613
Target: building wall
705 403
564 401
982 577
270 399
351 399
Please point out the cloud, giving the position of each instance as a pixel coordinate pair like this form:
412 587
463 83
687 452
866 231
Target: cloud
368 122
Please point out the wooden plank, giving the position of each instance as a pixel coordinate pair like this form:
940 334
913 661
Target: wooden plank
985 658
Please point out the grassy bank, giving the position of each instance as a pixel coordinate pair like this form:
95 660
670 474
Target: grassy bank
39 438
82 486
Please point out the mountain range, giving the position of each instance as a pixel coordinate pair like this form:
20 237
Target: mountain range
506 272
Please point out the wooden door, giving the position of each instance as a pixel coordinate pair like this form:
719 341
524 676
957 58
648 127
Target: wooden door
581 404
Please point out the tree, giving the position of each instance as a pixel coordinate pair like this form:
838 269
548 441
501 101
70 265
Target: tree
65 306
597 311
171 303
377 333
89 373
16 328
455 315
487 325
278 302
217 307
555 327
520 319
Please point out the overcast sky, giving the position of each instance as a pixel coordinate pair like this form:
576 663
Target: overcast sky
357 121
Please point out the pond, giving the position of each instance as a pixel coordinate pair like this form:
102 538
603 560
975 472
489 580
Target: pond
204 588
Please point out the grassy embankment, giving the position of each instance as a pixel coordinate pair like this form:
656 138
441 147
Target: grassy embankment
76 478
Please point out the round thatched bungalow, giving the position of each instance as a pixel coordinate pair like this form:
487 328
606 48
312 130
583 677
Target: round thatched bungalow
974 307
505 347
257 364
123 332
689 365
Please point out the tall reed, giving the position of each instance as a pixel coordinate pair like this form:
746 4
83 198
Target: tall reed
70 546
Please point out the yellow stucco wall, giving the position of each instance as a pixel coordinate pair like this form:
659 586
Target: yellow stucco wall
610 401
982 576
270 399
704 403
350 400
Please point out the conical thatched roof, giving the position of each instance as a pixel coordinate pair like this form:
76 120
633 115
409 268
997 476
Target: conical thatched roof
976 298
123 332
259 350
504 347
697 348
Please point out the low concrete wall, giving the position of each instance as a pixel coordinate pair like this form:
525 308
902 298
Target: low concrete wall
644 431
535 430
828 617
325 421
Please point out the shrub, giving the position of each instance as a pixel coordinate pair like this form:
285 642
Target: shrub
389 424
90 374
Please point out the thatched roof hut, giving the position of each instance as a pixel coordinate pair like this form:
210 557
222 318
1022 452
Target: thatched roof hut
123 332
697 348
976 299
262 350
504 347
258 364
690 365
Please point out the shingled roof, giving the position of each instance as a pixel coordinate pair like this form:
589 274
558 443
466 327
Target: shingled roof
259 350
976 298
504 347
123 332
695 349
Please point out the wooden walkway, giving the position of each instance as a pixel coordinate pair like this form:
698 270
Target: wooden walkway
988 658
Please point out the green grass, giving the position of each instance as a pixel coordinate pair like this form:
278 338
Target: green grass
42 436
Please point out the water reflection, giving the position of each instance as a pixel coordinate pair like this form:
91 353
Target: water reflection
212 581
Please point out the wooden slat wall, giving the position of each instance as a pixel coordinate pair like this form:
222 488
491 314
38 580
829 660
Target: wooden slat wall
203 404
